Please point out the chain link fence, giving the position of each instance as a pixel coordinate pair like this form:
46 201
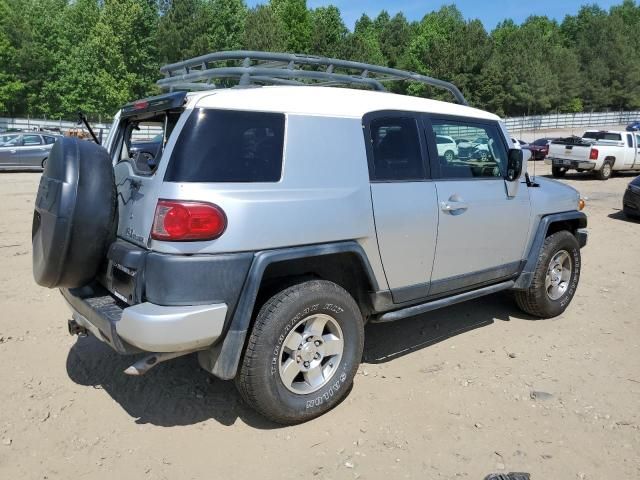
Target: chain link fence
528 123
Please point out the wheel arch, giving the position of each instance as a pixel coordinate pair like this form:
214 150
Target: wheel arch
344 263
548 225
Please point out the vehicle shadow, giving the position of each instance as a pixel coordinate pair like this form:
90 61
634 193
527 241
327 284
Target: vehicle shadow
580 176
174 393
387 341
619 215
179 392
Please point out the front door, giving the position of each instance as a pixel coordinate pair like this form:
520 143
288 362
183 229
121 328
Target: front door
9 148
482 231
32 152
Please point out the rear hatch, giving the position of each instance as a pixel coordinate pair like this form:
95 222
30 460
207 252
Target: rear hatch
138 146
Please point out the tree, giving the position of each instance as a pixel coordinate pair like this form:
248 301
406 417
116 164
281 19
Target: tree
328 31
264 30
10 85
296 22
362 45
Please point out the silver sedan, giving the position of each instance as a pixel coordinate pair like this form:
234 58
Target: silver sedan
25 151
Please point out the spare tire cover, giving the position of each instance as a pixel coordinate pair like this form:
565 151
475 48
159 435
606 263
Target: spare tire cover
74 220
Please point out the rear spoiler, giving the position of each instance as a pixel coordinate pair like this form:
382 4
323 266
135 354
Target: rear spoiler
160 103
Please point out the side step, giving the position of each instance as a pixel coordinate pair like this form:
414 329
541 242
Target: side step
443 302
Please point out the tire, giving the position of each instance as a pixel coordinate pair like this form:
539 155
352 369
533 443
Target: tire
449 155
558 172
542 299
273 381
605 172
44 162
75 214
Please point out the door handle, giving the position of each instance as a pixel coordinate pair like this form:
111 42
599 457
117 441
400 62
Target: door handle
453 206
13 151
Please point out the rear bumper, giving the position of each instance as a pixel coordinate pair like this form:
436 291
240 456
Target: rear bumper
565 163
145 326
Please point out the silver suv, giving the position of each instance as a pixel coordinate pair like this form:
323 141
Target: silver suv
274 222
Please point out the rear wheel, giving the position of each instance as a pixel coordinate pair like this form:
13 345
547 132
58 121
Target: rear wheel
555 279
605 172
448 155
44 162
558 172
303 352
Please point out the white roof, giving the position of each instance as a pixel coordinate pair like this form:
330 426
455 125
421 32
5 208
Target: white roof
325 101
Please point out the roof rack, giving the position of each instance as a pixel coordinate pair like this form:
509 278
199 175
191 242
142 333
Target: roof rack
266 68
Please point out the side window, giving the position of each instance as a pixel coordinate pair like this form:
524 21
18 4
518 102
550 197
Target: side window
49 140
396 149
630 140
475 150
638 141
30 140
229 146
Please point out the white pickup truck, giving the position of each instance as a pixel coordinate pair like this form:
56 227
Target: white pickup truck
601 152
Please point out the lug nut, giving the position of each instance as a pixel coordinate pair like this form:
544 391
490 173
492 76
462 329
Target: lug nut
316 356
306 364
317 343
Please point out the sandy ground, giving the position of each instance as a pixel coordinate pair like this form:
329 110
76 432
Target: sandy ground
445 395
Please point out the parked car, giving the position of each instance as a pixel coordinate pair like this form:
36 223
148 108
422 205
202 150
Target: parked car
477 149
25 151
539 148
633 126
631 199
601 152
280 220
447 147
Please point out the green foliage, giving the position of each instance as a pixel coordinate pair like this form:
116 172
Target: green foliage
59 56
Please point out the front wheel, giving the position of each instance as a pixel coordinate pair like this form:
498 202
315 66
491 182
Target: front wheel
303 353
555 278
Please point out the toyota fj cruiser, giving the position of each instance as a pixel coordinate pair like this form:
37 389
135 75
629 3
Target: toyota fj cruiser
273 222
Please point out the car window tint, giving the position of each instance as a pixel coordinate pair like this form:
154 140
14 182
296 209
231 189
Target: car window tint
28 140
49 140
602 136
228 146
396 149
484 156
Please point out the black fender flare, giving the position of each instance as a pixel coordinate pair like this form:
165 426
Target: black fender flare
526 276
223 358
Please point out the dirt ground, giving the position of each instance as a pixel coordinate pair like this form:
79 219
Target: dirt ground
458 393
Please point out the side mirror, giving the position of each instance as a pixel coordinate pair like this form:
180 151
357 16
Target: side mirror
514 165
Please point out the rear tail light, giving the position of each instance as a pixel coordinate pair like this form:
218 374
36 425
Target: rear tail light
177 220
593 154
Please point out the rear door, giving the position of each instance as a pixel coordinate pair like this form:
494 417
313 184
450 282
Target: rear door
404 201
481 230
630 151
33 151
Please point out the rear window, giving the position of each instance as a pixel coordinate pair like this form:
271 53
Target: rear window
228 146
602 136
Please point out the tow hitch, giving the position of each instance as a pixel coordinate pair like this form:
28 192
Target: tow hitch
76 329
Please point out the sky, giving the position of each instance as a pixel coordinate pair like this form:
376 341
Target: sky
490 12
